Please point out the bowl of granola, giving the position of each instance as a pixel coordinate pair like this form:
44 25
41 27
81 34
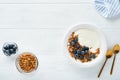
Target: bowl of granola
85 45
26 62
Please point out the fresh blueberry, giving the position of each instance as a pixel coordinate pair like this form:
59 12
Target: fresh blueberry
86 48
11 46
75 39
5 47
77 46
81 57
11 51
83 48
86 51
14 49
7 53
72 43
76 56
78 52
82 52
74 51
93 55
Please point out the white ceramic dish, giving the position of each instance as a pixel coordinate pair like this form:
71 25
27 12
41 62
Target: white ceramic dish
103 45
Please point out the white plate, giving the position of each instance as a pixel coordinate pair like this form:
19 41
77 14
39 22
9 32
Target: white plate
103 45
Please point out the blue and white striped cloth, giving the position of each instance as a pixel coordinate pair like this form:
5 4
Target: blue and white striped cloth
108 8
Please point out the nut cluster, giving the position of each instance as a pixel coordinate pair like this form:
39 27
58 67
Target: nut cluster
27 62
80 52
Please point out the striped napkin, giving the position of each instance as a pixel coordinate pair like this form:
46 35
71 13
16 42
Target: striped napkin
108 8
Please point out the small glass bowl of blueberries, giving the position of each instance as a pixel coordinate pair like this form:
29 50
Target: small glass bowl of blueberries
10 48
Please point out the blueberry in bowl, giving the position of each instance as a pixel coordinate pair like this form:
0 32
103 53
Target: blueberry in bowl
10 48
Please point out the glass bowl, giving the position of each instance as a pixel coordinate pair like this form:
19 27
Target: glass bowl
26 62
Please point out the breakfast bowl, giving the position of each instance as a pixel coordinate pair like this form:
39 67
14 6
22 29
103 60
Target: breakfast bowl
26 62
85 45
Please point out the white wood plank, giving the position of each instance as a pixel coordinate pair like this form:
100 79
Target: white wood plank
51 16
54 67
44 1
40 41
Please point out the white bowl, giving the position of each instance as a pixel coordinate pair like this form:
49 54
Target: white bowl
103 45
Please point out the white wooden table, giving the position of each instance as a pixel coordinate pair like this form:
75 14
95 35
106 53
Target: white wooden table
39 26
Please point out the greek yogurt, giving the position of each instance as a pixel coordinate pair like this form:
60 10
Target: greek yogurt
90 38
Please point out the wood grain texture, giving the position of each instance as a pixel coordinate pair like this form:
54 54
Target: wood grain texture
44 1
39 26
52 16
